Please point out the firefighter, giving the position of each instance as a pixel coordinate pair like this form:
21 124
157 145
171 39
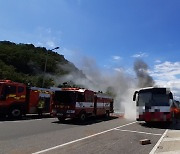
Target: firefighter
40 106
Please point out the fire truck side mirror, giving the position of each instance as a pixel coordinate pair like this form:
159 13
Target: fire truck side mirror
134 96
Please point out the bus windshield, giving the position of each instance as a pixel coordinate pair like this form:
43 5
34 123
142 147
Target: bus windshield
149 99
144 98
160 100
65 97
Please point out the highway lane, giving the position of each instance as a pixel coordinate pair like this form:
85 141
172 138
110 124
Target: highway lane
30 136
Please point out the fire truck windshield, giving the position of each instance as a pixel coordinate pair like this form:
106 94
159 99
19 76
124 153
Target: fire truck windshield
67 97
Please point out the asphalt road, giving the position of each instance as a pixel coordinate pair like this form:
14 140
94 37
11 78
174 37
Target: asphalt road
102 136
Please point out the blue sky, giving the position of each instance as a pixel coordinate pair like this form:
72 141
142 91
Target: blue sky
112 32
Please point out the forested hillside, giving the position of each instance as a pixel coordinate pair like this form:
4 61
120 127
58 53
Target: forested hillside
25 63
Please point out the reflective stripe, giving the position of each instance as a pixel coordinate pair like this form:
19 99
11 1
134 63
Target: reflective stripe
11 96
100 104
23 96
15 96
70 111
85 104
141 109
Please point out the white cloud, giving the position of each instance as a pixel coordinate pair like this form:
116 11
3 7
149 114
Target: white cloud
116 57
50 44
157 61
40 36
140 55
48 30
107 66
127 71
119 70
167 74
167 70
67 52
46 37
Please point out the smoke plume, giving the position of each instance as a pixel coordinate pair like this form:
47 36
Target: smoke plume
118 84
141 70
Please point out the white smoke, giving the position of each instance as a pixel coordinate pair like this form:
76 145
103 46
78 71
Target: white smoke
120 84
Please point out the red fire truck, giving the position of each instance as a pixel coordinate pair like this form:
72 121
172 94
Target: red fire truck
80 103
17 99
154 104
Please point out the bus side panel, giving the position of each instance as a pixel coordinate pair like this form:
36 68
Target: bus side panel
157 116
140 116
157 113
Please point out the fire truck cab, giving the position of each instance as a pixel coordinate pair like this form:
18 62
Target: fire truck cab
12 98
16 99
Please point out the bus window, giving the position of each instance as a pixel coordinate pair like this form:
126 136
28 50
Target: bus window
144 98
160 100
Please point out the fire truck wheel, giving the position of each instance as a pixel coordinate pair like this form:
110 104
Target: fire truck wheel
82 116
15 112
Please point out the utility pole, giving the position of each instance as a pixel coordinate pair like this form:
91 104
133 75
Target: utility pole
46 66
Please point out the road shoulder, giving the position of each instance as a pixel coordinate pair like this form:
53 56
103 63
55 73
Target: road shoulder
169 143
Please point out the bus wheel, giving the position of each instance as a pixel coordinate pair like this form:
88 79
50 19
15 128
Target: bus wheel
82 117
15 112
61 119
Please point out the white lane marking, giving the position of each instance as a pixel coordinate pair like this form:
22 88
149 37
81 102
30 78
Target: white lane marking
24 120
138 132
18 121
157 144
61 145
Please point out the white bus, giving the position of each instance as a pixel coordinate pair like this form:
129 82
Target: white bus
153 104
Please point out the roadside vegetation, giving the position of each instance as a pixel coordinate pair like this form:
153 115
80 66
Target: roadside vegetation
25 63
